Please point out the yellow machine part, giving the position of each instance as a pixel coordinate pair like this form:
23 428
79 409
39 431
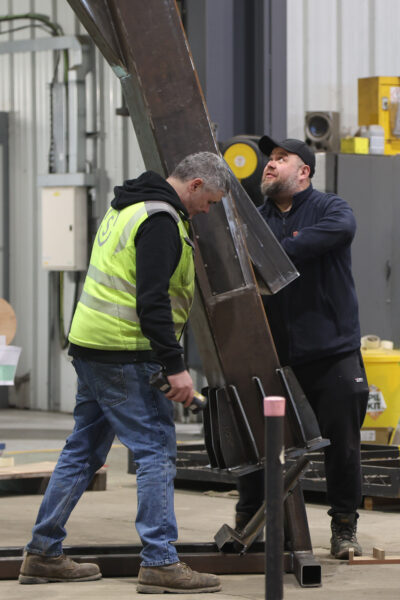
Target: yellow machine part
242 159
354 145
374 100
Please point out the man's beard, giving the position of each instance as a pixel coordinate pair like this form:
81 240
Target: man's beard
277 188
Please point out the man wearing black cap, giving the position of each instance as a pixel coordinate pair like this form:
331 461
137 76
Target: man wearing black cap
315 326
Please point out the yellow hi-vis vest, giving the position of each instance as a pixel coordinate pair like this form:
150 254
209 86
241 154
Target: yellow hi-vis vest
105 317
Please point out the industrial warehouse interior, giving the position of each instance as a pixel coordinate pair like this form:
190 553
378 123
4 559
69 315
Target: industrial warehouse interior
93 94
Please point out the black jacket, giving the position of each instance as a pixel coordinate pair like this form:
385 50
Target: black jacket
158 250
316 315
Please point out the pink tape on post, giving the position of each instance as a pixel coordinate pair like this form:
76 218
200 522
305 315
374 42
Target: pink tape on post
274 406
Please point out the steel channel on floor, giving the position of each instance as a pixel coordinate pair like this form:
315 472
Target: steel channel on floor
124 561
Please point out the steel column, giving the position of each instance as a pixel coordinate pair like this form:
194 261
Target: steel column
273 25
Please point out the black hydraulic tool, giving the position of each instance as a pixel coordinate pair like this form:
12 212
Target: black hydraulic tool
160 381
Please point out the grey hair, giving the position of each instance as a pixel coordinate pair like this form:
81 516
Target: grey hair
210 167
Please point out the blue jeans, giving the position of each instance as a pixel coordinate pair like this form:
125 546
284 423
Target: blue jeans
116 399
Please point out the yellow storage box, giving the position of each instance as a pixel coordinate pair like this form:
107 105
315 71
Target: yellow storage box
383 372
377 96
354 145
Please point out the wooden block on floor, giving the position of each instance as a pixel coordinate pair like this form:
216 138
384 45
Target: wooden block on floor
378 553
27 471
41 473
99 481
371 560
381 503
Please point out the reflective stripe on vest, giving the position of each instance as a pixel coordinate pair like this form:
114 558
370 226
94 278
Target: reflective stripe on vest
121 311
114 295
150 208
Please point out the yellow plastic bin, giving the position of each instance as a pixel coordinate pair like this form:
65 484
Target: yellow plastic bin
383 413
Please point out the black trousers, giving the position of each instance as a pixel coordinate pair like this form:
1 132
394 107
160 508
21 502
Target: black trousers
337 390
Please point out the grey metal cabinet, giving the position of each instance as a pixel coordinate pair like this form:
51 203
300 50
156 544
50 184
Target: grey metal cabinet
371 185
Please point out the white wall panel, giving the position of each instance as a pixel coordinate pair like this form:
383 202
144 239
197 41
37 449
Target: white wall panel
113 125
24 93
332 43
387 38
43 72
354 59
135 160
5 62
23 198
321 33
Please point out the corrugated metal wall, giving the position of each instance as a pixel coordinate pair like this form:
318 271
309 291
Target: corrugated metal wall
24 94
330 44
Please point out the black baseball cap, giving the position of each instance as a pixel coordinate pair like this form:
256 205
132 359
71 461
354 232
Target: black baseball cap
267 144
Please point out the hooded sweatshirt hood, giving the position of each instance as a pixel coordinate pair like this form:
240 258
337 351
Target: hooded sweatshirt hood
149 186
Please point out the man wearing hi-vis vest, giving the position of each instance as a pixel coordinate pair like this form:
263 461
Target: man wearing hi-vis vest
134 305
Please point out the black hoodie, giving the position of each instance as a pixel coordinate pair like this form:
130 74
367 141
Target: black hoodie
158 251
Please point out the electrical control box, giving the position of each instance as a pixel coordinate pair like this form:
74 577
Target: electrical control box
64 228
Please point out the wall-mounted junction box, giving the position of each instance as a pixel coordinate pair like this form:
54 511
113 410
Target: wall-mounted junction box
64 228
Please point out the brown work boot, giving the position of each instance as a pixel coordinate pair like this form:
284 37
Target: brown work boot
177 578
37 568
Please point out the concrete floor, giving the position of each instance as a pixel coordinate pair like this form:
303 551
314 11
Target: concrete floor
107 517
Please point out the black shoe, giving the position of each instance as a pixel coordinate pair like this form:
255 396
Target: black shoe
344 528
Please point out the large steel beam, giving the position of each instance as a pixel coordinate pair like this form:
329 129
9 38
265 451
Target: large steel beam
146 47
145 44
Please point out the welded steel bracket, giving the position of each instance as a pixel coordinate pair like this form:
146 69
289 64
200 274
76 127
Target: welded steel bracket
304 425
255 526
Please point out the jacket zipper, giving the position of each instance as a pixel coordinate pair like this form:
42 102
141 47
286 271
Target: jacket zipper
286 300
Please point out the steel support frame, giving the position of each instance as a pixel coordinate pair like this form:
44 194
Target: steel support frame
274 70
239 49
380 470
